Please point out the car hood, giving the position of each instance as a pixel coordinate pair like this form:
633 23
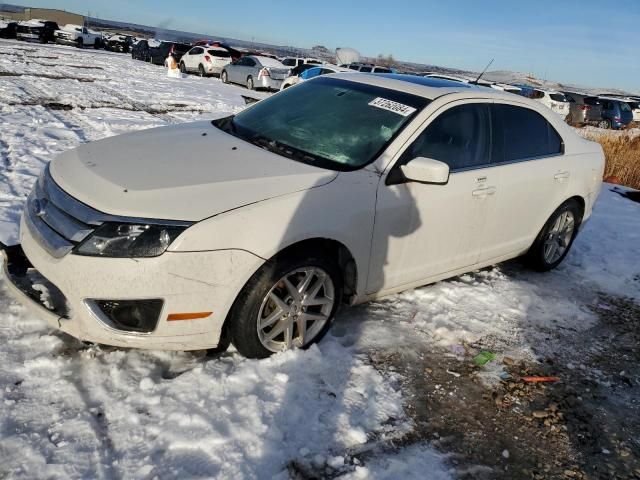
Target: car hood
184 172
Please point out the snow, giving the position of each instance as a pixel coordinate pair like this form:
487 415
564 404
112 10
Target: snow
72 410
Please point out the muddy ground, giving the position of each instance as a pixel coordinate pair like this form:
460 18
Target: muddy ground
586 425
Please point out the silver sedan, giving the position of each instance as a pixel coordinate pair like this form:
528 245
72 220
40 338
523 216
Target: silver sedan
255 71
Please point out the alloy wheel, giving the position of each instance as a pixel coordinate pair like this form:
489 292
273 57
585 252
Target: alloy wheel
559 236
296 309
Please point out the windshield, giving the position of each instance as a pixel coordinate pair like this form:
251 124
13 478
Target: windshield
327 122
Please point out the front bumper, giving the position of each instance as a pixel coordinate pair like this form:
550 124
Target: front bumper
186 282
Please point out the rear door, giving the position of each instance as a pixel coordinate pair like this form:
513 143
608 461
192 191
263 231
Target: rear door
532 176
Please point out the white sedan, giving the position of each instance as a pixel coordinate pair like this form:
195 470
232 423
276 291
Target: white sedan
346 188
205 60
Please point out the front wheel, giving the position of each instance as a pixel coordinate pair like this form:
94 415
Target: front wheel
183 69
79 43
556 237
289 303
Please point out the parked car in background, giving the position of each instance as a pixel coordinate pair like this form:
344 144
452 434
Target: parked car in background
140 50
160 50
616 113
8 29
635 109
78 36
309 73
255 72
119 43
37 31
265 226
555 101
296 61
368 68
584 109
205 60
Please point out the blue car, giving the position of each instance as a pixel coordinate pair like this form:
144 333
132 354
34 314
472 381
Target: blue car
616 114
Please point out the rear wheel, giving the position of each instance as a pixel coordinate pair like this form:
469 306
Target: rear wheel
604 124
556 237
201 71
289 303
223 77
250 83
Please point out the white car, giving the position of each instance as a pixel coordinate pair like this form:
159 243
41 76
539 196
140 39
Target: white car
311 73
78 36
506 88
347 188
205 60
296 61
556 101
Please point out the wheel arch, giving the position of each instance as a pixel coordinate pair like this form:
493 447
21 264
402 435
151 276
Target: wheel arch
336 250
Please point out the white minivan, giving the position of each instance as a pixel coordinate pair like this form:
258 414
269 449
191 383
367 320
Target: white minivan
255 228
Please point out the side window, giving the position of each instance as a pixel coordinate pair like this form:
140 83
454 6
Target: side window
519 133
537 94
458 137
249 62
312 72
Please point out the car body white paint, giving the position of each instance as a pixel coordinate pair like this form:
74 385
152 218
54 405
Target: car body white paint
207 57
250 204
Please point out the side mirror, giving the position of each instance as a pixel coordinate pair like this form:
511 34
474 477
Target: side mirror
426 170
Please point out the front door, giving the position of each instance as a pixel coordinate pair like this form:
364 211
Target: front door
422 231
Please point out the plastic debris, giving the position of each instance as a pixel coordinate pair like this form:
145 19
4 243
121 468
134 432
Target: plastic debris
536 379
483 358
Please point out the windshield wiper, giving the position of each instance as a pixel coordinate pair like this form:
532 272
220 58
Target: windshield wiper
282 149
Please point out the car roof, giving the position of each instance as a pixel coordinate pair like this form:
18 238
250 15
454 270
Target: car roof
267 61
427 87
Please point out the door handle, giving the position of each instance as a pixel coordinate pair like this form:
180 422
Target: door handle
561 175
483 192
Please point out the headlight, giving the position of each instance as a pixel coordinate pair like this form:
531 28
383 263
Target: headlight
129 240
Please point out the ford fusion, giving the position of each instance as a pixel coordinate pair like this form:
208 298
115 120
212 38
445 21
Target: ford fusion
255 228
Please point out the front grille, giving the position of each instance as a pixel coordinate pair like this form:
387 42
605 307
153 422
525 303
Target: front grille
57 220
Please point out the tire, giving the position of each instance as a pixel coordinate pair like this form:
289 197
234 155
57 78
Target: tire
604 124
96 44
80 43
555 237
223 77
201 71
250 85
255 303
183 69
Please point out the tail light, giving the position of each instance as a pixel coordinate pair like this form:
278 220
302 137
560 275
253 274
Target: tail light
207 58
264 73
584 107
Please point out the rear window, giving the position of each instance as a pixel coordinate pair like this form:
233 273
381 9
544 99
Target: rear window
219 53
558 97
625 107
520 133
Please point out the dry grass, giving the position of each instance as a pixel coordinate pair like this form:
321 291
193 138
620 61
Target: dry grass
622 153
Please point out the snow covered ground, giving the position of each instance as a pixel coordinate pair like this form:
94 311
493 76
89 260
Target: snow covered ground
72 410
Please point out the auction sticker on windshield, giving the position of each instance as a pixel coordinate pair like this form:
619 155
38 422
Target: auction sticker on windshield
390 105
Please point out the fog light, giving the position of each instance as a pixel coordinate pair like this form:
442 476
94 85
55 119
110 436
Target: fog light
131 315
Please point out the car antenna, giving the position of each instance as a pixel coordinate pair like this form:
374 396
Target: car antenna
483 71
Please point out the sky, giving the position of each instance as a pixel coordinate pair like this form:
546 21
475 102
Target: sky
585 42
